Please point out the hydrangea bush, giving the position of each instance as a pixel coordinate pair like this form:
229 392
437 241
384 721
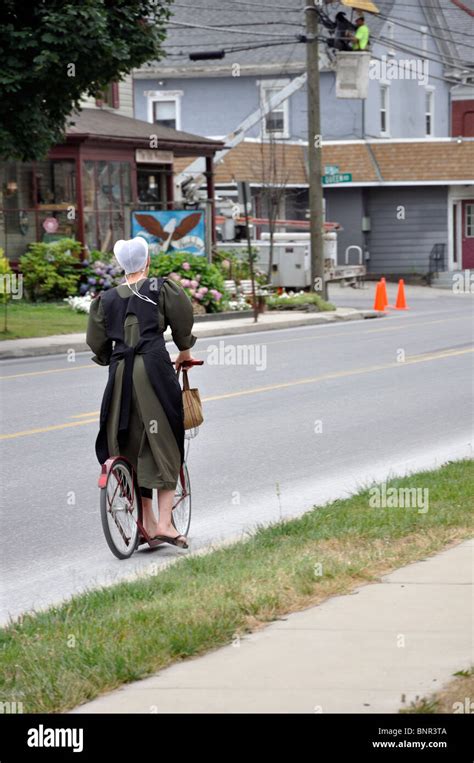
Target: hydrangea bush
100 273
51 269
202 281
80 304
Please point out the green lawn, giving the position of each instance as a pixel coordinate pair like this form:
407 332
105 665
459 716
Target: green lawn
58 659
26 319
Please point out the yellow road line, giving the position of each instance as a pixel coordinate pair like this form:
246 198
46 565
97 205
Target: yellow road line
305 338
49 371
46 429
255 390
341 374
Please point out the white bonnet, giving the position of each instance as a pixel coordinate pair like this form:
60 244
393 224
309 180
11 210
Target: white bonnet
132 254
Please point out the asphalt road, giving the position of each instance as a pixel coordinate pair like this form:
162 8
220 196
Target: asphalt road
331 408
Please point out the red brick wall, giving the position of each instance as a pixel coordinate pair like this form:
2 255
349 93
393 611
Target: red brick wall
463 119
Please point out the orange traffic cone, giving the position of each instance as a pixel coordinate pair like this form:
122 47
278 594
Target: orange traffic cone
379 303
383 289
401 303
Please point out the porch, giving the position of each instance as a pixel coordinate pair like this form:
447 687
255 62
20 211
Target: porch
87 187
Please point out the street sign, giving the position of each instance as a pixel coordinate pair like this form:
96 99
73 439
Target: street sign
331 169
341 177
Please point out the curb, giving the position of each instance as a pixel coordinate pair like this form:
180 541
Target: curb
59 345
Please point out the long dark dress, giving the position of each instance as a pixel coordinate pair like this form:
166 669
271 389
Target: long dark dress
151 443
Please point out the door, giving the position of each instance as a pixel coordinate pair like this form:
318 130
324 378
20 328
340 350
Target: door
467 239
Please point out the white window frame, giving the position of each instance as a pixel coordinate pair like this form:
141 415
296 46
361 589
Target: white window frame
391 37
159 96
430 90
271 84
424 40
386 87
465 231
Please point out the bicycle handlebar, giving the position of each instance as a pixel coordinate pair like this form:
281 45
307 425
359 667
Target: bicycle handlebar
189 363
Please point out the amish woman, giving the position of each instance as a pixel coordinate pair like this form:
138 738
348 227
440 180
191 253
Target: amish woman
141 416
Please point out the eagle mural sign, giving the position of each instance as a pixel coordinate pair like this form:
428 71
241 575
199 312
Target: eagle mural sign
173 230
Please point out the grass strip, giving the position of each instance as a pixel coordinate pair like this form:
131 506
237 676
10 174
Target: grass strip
55 660
456 697
27 320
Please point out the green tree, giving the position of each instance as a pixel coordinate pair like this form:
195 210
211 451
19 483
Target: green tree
55 51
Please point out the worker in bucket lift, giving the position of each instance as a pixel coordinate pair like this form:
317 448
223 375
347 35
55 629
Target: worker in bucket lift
360 40
343 31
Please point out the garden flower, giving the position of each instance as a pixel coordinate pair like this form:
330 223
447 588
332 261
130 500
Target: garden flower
174 276
194 283
186 266
197 295
203 289
192 292
185 282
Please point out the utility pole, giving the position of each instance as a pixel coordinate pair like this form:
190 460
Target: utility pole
314 151
245 192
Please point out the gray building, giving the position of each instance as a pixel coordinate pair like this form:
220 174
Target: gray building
420 56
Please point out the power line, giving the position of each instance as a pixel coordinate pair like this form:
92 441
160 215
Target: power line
434 26
422 54
240 48
431 76
429 34
264 5
435 6
259 23
219 7
225 29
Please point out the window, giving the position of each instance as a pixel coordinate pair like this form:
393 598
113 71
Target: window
109 96
275 123
153 182
469 213
164 113
429 106
384 110
107 194
164 108
424 40
390 36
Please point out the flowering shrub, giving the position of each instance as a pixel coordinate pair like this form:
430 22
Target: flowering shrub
100 272
304 300
234 265
80 304
202 282
50 270
239 303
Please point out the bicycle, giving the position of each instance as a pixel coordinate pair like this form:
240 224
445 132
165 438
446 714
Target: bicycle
121 502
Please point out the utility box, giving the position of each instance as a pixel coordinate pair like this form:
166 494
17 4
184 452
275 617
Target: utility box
292 265
330 249
352 74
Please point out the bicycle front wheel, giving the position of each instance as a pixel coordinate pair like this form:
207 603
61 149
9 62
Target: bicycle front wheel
120 509
181 514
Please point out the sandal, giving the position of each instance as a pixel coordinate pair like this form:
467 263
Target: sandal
178 540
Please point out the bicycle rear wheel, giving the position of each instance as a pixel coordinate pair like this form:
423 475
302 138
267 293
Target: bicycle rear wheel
181 514
120 509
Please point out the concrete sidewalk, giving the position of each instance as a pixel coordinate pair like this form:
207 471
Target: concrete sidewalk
359 653
53 345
